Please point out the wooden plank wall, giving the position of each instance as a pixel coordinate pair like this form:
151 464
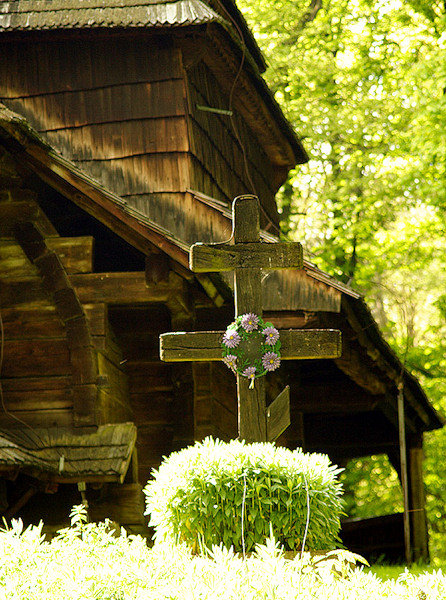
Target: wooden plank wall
218 167
36 370
113 393
150 381
215 401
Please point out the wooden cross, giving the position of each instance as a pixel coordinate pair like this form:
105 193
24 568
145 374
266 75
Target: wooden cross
246 255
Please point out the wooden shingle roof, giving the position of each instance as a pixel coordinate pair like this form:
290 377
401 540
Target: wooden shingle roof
62 455
37 15
41 15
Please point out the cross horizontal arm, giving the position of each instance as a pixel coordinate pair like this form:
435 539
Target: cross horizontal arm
297 344
208 258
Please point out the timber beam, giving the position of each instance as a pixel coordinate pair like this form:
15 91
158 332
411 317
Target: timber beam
123 288
394 374
93 288
180 303
353 365
75 254
206 345
23 209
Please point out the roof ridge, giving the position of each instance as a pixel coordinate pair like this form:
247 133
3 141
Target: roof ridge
39 15
24 6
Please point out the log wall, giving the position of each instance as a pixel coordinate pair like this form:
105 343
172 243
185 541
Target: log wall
61 364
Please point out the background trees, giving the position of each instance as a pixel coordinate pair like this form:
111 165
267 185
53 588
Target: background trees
364 83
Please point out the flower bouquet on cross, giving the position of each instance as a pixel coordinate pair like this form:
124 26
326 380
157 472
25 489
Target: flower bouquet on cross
251 347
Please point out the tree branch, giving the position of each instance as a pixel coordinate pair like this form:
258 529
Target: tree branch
310 15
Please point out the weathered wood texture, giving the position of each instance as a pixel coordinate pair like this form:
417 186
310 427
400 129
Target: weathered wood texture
206 345
182 215
123 504
203 401
151 383
278 415
119 288
165 145
251 399
57 370
39 384
417 501
79 110
75 254
248 298
17 206
222 168
55 284
299 291
215 404
220 59
59 455
227 257
224 394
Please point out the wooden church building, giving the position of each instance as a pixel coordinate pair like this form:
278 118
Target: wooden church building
126 129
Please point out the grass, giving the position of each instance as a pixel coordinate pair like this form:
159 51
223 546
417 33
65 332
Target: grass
392 572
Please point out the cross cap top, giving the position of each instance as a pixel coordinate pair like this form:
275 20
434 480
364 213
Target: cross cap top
244 249
246 219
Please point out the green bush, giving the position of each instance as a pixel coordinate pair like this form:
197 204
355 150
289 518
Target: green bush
197 496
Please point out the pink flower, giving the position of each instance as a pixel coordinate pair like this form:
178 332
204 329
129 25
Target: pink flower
231 338
271 335
230 361
250 321
270 361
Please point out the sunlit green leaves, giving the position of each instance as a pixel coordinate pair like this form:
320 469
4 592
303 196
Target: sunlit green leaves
236 494
364 84
94 564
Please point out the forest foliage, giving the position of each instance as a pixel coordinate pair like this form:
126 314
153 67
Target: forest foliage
364 84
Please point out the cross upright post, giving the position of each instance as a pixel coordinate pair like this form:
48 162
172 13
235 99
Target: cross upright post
251 403
246 255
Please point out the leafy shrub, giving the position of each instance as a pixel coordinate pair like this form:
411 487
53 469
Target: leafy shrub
238 494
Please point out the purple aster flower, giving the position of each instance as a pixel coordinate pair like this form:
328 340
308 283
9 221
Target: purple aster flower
250 321
231 338
230 361
270 361
249 372
271 335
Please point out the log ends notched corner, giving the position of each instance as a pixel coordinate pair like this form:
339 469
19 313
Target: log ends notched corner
57 285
